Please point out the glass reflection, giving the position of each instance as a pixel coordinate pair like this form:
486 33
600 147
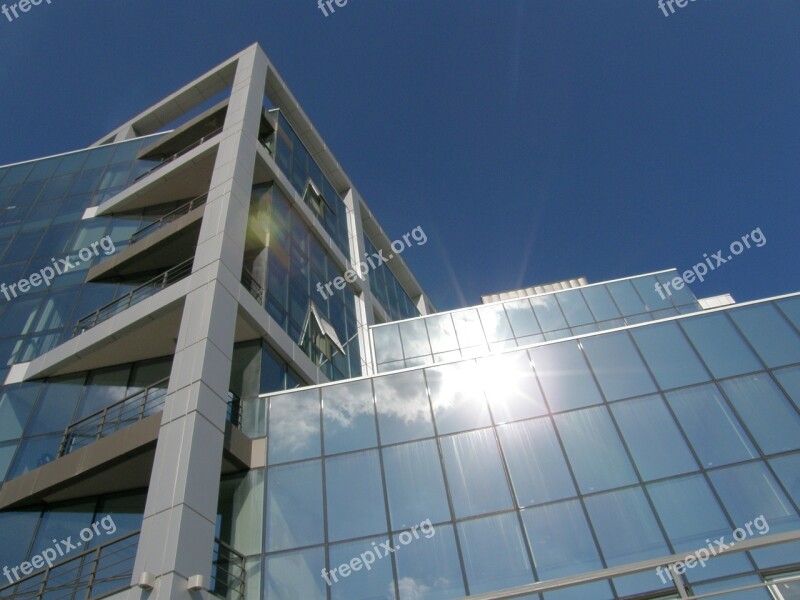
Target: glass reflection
565 376
495 323
618 366
428 569
457 397
375 583
352 514
294 506
404 412
671 358
511 387
294 422
348 417
295 576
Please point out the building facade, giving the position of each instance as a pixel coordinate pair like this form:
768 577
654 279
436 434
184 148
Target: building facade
185 415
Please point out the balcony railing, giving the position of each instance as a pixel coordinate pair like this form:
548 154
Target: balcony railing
135 296
168 218
255 289
179 153
112 418
235 410
93 574
228 575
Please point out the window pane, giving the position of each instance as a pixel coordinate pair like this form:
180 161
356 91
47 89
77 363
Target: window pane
523 321
720 345
429 568
749 491
594 450
495 323
626 298
600 303
494 553
56 406
770 417
788 471
669 355
688 530
457 397
374 583
618 366
295 575
34 453
475 473
565 376
403 410
442 333
15 407
575 308
627 532
790 380
294 427
511 387
791 308
387 343
646 286
294 506
711 426
468 328
348 417
656 443
769 333
414 483
536 463
415 338
354 515
548 313
560 540
681 297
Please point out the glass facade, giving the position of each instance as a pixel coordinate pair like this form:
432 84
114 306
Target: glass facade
543 462
393 298
296 263
299 166
498 326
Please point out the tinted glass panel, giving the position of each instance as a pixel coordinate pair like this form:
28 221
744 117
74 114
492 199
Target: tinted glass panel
294 506
565 376
415 338
354 515
669 355
788 471
442 333
457 397
348 417
790 381
468 328
511 387
523 321
600 303
770 334
294 427
387 343
495 323
574 308
538 470
560 540
403 410
494 553
548 313
711 426
626 298
594 450
720 345
429 569
766 412
475 473
618 366
356 582
415 485
295 575
658 448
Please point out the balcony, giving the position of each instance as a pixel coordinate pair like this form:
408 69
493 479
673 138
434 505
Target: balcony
252 286
135 296
184 209
107 569
179 153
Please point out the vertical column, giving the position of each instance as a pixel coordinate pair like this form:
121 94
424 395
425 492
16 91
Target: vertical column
177 537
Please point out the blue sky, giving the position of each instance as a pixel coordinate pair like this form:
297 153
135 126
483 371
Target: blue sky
533 140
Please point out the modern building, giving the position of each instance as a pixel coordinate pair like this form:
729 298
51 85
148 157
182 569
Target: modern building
185 415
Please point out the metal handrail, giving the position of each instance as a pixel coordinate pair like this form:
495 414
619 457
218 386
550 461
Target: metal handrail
235 409
144 291
168 218
72 574
179 153
229 575
129 410
254 287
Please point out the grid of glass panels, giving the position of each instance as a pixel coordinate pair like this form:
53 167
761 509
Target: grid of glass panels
388 290
296 263
542 463
472 332
299 166
41 205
